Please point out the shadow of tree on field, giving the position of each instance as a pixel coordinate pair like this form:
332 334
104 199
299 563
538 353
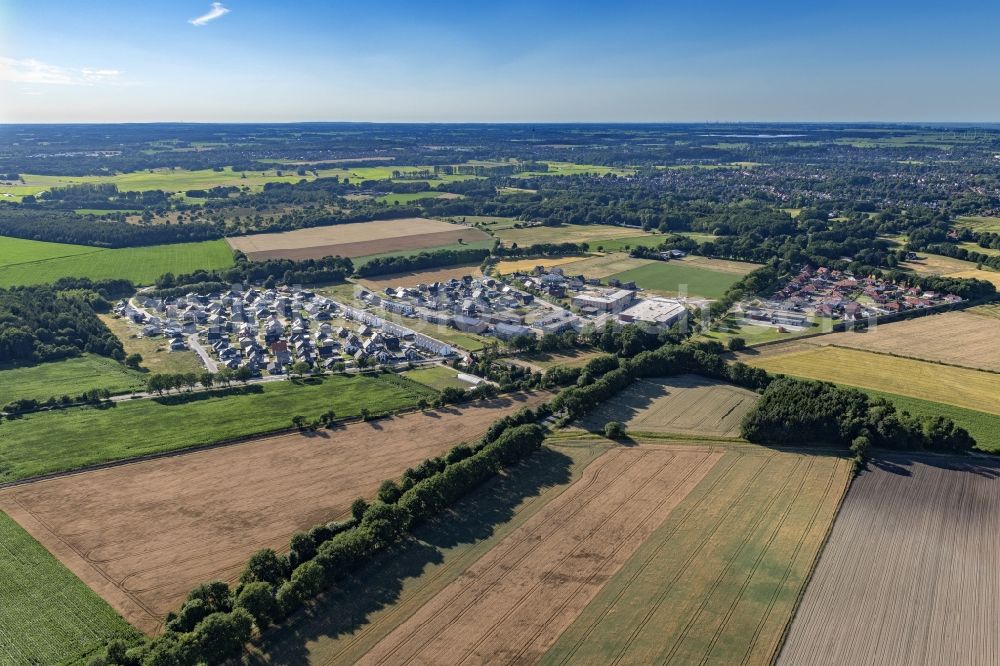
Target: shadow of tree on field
348 607
902 463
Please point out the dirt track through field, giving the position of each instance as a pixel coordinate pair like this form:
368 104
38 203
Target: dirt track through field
142 535
909 576
513 603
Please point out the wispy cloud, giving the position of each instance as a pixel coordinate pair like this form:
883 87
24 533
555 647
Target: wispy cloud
215 12
30 70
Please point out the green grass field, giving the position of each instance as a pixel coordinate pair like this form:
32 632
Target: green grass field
467 341
982 224
437 377
572 169
24 262
47 615
65 439
984 427
721 577
409 197
671 278
155 352
973 247
594 234
70 376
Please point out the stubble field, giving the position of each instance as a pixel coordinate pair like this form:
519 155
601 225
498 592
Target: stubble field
687 404
514 602
957 338
718 582
144 534
961 387
909 574
356 240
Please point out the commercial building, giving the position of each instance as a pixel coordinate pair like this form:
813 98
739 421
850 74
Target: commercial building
662 312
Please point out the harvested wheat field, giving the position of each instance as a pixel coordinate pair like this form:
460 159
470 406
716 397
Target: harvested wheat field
509 266
688 404
961 387
412 279
718 582
956 338
143 534
909 576
355 240
515 601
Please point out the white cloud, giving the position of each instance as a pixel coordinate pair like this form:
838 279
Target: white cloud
30 70
215 12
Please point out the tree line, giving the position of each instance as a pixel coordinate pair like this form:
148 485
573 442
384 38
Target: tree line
797 412
215 622
421 261
42 323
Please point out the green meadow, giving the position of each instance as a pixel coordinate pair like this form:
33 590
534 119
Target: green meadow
71 376
673 278
26 262
65 439
985 428
48 615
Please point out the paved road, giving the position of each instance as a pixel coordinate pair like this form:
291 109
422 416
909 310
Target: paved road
193 343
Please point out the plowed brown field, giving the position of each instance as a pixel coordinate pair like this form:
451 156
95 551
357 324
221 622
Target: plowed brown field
514 602
142 535
909 576
355 240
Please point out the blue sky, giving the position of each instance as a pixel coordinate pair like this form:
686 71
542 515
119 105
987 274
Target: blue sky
511 61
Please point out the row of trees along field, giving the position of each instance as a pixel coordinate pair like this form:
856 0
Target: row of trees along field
421 261
793 412
270 273
215 622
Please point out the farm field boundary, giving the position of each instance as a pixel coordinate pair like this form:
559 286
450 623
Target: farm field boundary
351 619
515 600
48 615
358 239
928 595
719 580
56 441
687 404
961 387
140 533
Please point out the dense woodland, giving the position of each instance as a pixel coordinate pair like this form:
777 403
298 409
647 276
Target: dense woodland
46 324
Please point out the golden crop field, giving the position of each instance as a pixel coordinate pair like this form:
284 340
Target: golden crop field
962 387
957 338
525 265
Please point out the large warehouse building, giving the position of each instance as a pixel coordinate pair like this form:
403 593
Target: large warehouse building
662 312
